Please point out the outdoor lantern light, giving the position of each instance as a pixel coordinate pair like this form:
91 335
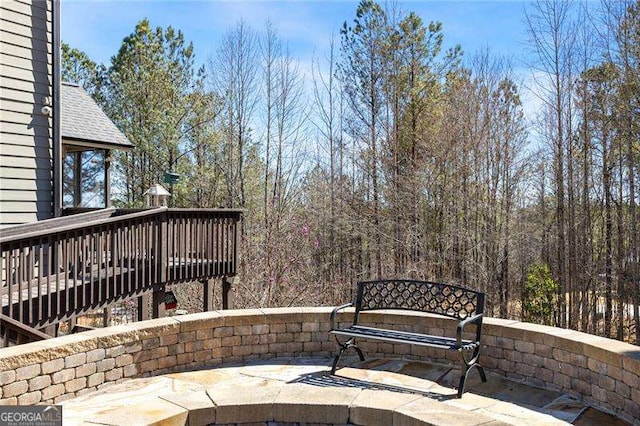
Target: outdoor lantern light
157 196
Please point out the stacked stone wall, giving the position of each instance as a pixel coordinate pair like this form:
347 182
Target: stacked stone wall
601 372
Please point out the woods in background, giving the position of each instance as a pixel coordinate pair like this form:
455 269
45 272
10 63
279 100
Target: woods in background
391 156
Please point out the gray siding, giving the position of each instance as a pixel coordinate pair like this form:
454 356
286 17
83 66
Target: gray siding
26 135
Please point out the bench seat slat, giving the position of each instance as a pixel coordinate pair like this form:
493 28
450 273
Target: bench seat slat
404 337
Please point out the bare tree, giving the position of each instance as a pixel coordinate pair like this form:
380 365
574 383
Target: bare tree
552 38
270 48
233 72
327 103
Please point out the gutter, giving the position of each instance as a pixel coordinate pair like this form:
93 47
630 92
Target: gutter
56 147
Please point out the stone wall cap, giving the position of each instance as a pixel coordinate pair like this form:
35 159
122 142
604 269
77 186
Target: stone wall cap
501 322
198 316
240 312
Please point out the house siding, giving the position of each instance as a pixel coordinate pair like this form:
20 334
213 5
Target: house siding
26 135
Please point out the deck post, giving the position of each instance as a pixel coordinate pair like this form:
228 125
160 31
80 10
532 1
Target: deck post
208 286
227 292
143 307
158 302
51 330
106 316
236 246
164 248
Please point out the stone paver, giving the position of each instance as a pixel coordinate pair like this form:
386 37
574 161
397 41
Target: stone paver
301 390
113 399
247 400
155 411
437 414
565 408
514 414
505 390
593 417
306 403
373 407
200 407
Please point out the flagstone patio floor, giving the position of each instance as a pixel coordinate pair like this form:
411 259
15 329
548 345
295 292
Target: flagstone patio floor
295 391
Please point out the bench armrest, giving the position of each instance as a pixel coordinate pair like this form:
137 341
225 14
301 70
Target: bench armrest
477 320
335 311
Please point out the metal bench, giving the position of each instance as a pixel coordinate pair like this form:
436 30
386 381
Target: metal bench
452 301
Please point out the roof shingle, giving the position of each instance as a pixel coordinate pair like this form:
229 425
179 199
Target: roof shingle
84 121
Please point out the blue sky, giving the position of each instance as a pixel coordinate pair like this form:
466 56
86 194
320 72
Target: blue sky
98 27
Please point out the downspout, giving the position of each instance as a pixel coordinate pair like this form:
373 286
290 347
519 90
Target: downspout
107 178
57 134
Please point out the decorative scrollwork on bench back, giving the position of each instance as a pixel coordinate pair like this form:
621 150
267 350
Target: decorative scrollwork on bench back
425 296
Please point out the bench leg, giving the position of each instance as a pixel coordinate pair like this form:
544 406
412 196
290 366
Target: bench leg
481 371
351 343
466 367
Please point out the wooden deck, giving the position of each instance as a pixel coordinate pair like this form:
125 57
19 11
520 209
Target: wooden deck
56 271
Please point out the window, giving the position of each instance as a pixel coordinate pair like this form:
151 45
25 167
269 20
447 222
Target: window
83 179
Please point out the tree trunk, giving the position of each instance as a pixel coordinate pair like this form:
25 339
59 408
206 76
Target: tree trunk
606 178
634 250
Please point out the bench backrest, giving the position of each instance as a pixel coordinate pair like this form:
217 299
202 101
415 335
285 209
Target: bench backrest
425 296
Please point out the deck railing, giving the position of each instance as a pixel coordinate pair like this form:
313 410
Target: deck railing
57 269
14 332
